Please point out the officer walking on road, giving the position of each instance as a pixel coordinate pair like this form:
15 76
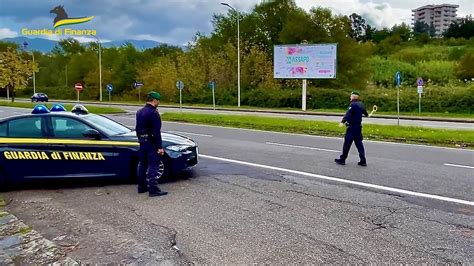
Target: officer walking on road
148 130
353 120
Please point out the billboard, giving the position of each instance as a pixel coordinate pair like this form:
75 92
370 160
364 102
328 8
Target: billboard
313 61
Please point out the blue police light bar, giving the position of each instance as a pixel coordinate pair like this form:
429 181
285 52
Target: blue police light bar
58 108
40 109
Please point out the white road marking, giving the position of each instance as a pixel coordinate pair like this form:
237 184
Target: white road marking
124 117
190 133
301 147
321 137
458 165
345 181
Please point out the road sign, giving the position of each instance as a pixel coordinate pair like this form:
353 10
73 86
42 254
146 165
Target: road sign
109 87
78 86
180 85
137 84
419 82
420 89
212 85
398 78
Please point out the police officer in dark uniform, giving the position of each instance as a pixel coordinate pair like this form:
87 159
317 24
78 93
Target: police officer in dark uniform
148 130
353 120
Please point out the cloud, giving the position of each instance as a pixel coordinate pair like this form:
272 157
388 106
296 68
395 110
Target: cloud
7 33
176 21
379 14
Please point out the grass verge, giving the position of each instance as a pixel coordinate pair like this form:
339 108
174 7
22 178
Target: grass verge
405 134
91 108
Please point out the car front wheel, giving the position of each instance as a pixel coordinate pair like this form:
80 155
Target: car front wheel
164 170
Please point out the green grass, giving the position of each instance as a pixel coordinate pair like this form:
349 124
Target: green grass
335 111
442 137
92 109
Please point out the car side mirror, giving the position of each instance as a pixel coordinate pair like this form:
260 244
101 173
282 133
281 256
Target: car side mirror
92 134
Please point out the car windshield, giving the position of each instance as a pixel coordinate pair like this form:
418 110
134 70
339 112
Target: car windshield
107 125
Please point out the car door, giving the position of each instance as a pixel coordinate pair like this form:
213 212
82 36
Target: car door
23 148
77 155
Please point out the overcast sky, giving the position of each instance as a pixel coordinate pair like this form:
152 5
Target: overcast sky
176 21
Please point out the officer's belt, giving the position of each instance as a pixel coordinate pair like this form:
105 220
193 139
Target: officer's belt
145 137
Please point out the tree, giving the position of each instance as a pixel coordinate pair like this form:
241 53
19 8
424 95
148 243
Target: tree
402 30
421 27
462 29
465 69
14 71
70 46
358 27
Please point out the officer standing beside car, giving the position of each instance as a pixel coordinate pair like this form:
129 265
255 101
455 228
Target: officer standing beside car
353 120
148 130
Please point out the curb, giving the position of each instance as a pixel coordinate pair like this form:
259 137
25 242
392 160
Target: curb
20 244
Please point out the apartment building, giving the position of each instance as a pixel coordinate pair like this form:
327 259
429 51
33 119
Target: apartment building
440 16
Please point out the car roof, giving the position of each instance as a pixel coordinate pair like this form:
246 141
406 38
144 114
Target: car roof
66 114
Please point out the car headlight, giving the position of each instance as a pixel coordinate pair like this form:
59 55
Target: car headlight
178 148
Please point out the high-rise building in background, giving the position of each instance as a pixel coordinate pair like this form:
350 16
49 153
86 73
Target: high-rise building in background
438 16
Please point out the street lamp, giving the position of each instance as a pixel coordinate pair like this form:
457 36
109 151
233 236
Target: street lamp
100 67
238 50
25 46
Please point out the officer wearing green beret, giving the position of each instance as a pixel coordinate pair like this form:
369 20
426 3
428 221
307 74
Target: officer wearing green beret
148 129
353 120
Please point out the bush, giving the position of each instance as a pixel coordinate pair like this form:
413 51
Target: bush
439 72
384 71
465 69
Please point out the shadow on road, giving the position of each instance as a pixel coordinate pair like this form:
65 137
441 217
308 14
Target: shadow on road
71 183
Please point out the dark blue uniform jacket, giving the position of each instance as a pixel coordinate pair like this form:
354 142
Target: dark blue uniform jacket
353 116
149 125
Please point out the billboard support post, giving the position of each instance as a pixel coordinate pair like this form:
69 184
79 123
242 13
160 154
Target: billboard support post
305 83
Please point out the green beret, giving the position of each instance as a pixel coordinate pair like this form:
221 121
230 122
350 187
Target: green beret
154 95
355 93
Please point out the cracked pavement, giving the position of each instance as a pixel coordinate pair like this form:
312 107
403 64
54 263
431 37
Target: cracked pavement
213 217
226 213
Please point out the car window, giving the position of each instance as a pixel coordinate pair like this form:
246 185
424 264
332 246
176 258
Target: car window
3 129
65 127
106 125
29 127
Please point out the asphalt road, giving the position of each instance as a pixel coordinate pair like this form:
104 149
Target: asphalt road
335 119
262 197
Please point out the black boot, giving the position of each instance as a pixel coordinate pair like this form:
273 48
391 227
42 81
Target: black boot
340 161
158 194
362 163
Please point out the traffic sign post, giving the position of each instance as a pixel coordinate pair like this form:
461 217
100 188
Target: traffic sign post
109 88
420 91
78 86
138 85
398 80
180 87
212 86
420 83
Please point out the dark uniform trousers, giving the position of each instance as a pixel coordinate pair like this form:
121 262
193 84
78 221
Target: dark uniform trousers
148 167
353 134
